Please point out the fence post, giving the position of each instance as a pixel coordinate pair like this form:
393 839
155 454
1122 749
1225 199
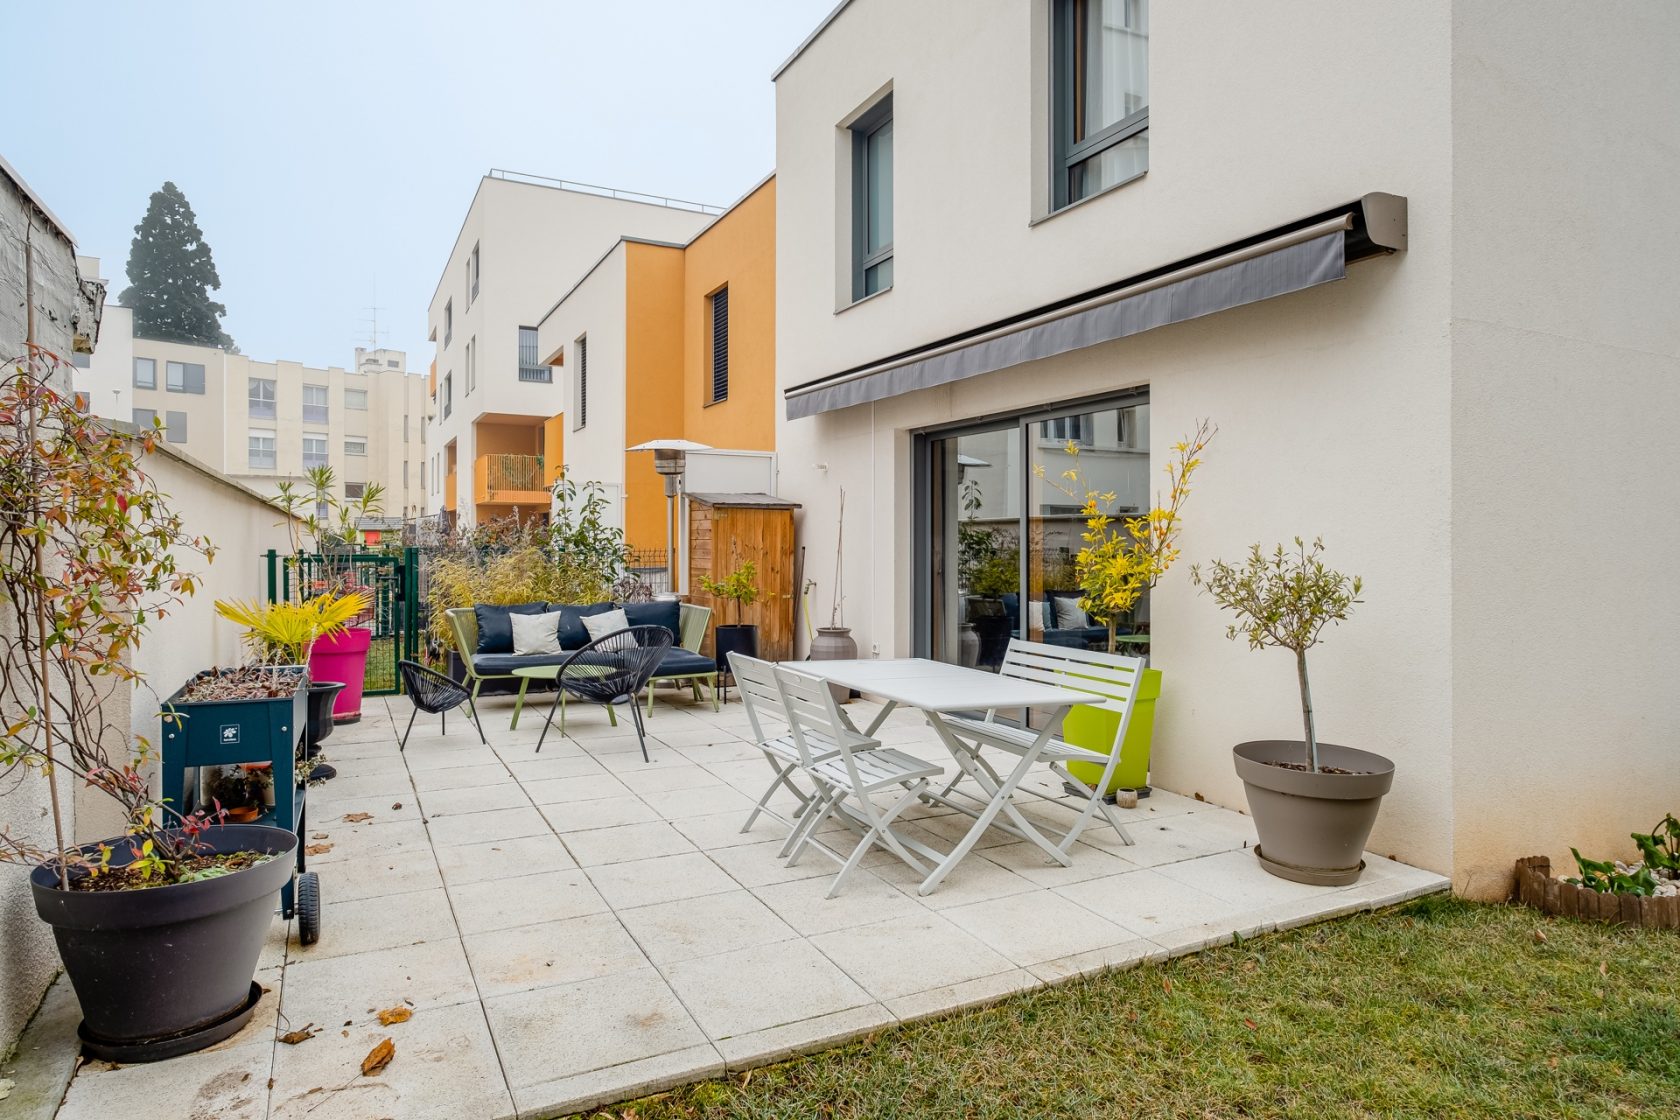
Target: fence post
272 557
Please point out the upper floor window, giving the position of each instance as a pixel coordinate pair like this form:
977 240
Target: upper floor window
1100 96
530 366
183 377
472 365
718 303
355 447
356 399
472 276
314 450
259 449
392 363
1065 429
872 200
261 406
446 391
353 491
448 321
580 383
145 418
315 406
175 427
145 373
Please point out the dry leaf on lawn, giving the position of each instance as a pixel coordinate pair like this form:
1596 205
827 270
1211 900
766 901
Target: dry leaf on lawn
292 1038
394 1015
317 849
357 818
379 1057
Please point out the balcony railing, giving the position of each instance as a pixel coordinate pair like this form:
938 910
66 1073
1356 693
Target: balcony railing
510 479
536 373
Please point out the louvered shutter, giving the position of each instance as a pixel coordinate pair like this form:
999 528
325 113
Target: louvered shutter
720 345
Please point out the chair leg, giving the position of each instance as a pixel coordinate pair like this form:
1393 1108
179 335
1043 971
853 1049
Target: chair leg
472 709
781 779
712 687
443 721
548 720
403 746
641 732
612 716
519 704
650 699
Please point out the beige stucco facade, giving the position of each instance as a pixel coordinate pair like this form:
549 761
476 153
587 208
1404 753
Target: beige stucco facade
1454 419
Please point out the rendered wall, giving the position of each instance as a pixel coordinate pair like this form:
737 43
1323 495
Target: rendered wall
653 405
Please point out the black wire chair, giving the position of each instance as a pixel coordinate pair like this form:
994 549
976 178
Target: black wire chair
433 692
611 670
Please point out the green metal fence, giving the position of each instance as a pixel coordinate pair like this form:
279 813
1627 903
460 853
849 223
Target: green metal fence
390 580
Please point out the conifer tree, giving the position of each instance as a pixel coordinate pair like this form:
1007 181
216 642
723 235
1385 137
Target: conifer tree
171 274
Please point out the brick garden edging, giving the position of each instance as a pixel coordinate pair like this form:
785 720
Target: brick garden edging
1535 887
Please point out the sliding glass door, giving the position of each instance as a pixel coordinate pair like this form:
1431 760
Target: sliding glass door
973 481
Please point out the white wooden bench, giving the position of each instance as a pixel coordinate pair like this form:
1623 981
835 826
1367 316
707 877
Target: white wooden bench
1111 680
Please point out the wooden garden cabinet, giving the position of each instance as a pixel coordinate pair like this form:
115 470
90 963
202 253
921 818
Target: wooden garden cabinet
725 531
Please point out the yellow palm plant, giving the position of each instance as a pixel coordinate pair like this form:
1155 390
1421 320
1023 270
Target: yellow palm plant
284 633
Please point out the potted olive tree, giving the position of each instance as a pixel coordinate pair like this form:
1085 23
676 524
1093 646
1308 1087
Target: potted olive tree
741 588
159 928
1313 803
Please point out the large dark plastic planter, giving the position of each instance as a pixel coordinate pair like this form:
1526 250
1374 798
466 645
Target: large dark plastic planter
167 970
322 695
1312 827
734 639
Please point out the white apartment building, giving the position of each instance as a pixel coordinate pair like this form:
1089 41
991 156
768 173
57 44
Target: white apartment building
1429 328
524 241
262 423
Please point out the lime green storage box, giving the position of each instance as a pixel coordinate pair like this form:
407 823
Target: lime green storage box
1093 729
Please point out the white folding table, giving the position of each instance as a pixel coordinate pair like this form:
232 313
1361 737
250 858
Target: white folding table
937 689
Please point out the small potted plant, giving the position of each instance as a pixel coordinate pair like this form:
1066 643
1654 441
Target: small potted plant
1313 803
741 588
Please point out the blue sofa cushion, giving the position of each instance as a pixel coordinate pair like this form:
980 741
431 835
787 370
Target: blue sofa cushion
667 613
572 633
683 663
500 664
495 632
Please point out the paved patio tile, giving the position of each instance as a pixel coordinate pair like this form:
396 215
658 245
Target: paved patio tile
1238 877
447 755
610 1021
659 759
1033 928
774 1044
703 801
472 799
697 737
1149 903
605 812
361 841
672 774
548 896
462 777
1093 961
585 787
804 905
723 830
445 1068
331 991
763 986
224 1084
548 766
521 958
497 860
644 882
902 956
1029 861
975 879
583 1091
979 992
756 864
360 925
377 874
726 750
323 811
1175 837
626 842
477 828
669 932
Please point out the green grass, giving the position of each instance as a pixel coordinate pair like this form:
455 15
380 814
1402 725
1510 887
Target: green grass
1440 1008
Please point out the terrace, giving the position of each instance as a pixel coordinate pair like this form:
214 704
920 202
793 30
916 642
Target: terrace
578 927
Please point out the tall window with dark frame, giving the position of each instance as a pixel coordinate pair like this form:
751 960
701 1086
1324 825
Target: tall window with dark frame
580 383
719 301
872 200
1100 95
530 366
472 276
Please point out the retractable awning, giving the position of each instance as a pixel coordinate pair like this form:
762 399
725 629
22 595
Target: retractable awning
1289 258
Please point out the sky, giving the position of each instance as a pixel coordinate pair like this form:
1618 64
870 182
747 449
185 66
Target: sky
330 150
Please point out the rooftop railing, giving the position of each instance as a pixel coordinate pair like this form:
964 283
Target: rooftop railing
604 192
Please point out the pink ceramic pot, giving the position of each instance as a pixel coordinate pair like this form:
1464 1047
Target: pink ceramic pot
344 659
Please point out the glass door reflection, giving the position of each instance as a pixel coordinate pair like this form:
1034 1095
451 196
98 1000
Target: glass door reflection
976 558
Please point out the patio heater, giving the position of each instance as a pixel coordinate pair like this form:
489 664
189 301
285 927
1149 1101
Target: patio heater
670 459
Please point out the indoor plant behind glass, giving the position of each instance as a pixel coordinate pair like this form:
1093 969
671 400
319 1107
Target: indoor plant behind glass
160 928
1313 803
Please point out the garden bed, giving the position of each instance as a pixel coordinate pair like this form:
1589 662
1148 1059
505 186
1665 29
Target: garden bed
1536 887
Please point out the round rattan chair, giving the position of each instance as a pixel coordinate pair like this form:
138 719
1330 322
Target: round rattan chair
433 692
612 669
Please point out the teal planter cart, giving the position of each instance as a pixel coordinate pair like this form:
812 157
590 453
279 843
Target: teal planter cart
199 733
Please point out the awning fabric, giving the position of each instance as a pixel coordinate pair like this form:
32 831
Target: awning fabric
1289 262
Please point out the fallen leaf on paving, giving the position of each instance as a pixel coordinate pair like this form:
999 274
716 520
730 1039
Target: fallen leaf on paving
317 849
396 805
292 1038
317 836
379 1057
357 818
394 1015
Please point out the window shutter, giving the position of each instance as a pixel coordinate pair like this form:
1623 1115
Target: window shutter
720 345
195 378
583 381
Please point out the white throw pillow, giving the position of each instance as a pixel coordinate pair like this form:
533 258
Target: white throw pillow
535 633
1069 614
608 622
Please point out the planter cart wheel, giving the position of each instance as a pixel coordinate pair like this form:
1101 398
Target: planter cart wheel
309 907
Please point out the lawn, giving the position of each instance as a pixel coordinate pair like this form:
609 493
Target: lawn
1439 1008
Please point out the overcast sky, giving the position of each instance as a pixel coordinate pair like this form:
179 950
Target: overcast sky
331 149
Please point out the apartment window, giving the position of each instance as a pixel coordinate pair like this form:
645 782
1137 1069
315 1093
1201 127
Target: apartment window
422 475
392 363
405 474
261 406
447 392
356 399
448 321
472 276
175 427
872 200
530 366
314 450
405 427
315 407
353 491
80 360
145 418
145 373
355 447
580 383
719 303
1059 431
472 365
183 377
259 450
1100 96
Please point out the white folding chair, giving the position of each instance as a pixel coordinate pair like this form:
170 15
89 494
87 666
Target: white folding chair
755 680
846 781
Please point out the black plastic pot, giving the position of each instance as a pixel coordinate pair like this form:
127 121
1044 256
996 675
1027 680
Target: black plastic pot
167 970
734 639
321 697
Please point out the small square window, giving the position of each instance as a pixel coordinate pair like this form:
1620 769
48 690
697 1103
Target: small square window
356 399
145 373
355 447
175 427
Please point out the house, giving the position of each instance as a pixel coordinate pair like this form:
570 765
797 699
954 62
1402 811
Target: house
664 340
1413 261
524 239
